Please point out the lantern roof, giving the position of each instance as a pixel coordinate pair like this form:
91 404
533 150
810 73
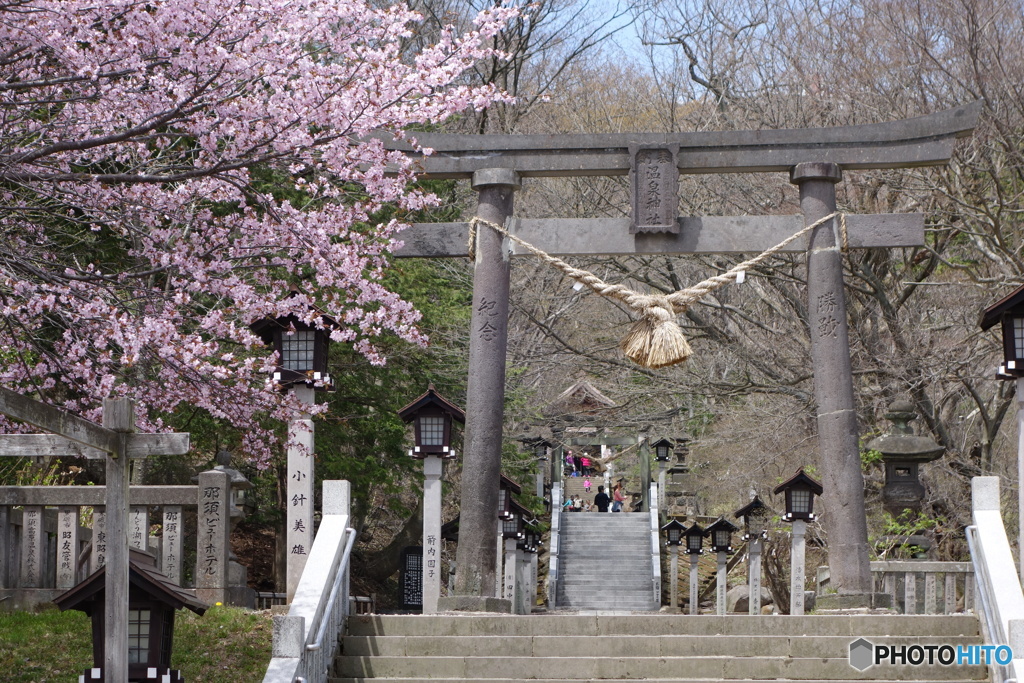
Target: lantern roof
750 508
142 576
798 479
994 313
510 485
428 399
264 328
662 442
900 442
720 524
696 530
517 509
674 524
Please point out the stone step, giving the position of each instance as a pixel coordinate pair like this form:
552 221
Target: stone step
646 680
623 579
626 646
620 552
605 588
604 601
854 626
642 668
587 605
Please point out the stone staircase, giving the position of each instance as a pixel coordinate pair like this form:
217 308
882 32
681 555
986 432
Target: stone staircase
604 562
657 648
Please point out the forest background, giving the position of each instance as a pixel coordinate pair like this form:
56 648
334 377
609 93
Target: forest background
745 398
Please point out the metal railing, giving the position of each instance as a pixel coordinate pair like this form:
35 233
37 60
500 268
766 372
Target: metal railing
1002 609
556 518
655 543
306 639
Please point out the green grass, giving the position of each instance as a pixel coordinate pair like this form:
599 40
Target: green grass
226 645
47 646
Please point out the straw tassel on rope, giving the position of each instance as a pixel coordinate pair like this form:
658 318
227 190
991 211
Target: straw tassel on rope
656 340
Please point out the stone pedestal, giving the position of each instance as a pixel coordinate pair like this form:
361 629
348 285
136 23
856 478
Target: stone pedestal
754 575
720 583
673 593
299 533
797 568
432 467
694 585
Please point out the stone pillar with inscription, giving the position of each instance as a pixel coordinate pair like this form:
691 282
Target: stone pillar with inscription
511 575
694 584
798 570
99 539
138 528
754 575
212 531
32 547
654 181
299 533
67 546
485 396
170 561
840 467
433 465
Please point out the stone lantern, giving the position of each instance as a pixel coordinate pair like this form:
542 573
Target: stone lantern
903 452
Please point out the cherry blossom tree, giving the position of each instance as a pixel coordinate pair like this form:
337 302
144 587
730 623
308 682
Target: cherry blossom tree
170 168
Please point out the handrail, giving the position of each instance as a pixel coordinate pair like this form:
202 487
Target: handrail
556 517
655 542
992 629
325 616
321 601
1002 609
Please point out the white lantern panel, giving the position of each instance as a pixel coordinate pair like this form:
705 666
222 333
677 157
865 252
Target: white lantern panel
297 350
801 501
1018 338
138 636
432 431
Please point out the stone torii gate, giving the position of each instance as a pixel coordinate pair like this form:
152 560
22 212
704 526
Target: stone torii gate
814 159
115 442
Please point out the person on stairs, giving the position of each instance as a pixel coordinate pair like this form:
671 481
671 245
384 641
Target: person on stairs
586 485
601 500
618 497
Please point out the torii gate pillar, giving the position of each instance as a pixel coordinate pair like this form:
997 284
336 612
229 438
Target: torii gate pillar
485 398
839 458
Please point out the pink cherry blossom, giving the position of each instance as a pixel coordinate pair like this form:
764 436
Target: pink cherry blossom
136 245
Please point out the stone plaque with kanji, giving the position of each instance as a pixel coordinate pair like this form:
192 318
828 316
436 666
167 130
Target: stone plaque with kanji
654 189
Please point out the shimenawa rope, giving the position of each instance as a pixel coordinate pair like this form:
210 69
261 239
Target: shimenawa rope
655 340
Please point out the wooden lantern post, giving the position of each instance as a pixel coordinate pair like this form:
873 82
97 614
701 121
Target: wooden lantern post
432 416
754 515
694 540
673 539
720 532
800 491
302 356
